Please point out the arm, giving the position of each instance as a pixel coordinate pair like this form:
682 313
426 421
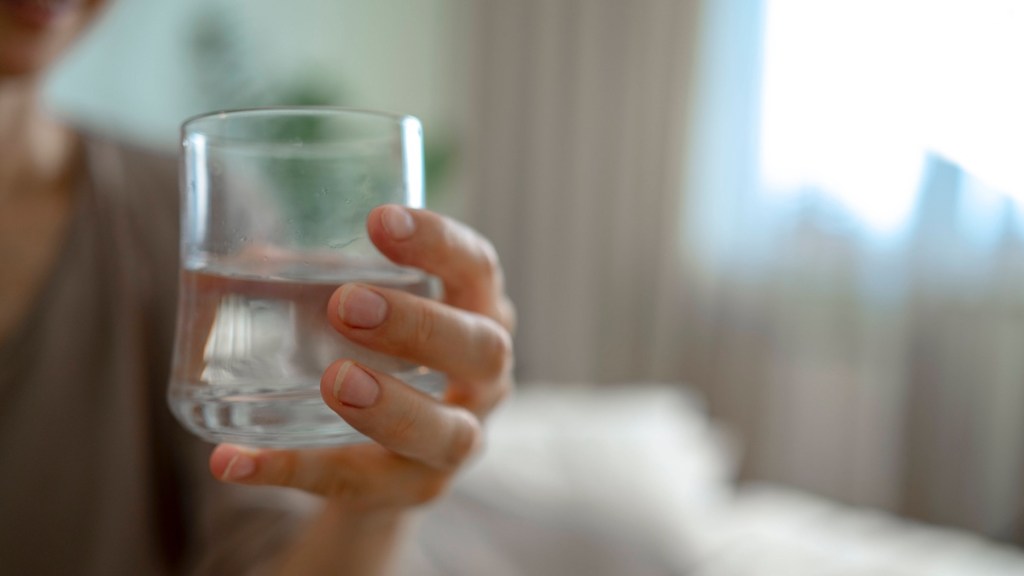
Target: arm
421 443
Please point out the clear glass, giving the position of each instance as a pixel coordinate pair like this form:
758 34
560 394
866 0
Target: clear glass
273 221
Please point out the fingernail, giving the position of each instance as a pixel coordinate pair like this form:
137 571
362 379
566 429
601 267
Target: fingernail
362 308
353 386
398 222
240 467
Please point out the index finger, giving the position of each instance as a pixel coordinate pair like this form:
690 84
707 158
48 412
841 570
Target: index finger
465 262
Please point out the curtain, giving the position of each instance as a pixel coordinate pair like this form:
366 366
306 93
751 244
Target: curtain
859 324
883 376
573 154
861 329
615 156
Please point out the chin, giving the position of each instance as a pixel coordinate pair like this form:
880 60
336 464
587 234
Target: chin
21 56
15 69
33 33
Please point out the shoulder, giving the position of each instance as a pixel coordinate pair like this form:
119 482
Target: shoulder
135 189
137 184
131 171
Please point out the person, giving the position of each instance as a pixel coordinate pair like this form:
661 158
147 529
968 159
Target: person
97 477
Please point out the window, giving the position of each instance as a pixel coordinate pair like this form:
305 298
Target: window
856 95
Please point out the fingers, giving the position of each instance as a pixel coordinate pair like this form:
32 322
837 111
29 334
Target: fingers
400 418
421 441
463 345
362 476
470 339
466 262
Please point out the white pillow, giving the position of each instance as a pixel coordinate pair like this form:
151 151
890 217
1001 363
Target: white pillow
640 462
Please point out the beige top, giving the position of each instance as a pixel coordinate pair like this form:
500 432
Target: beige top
96 477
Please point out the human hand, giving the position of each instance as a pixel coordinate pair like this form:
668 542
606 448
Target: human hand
420 442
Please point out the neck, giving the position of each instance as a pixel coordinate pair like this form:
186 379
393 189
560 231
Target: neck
35 150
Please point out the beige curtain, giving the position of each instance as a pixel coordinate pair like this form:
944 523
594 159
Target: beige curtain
890 378
574 153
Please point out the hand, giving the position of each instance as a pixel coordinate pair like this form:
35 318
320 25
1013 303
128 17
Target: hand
420 442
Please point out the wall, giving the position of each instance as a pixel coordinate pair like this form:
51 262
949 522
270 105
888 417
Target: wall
137 74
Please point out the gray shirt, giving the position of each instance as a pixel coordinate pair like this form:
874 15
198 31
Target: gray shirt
95 475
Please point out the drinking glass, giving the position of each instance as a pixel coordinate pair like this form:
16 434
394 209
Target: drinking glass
274 213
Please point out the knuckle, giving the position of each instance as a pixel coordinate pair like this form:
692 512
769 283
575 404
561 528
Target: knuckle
430 489
505 389
286 472
453 239
338 489
405 423
497 353
426 325
476 250
326 478
507 315
488 261
464 440
328 482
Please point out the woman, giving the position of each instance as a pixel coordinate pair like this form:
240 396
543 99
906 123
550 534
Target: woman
97 478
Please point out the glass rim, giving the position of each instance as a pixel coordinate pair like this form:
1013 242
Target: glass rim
188 124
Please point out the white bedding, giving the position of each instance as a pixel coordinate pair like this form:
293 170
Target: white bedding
634 480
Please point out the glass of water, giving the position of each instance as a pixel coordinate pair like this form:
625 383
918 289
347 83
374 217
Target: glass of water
274 207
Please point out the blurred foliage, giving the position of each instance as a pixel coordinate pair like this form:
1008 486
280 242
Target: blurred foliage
326 198
230 77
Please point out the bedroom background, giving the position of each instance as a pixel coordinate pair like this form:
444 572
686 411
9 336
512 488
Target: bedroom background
807 212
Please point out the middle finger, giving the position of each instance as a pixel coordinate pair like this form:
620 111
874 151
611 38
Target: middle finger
466 346
400 418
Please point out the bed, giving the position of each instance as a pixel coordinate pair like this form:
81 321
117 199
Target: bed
636 480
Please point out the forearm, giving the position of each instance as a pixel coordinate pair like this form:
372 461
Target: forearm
344 542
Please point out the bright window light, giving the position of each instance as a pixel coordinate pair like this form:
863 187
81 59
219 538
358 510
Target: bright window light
856 92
